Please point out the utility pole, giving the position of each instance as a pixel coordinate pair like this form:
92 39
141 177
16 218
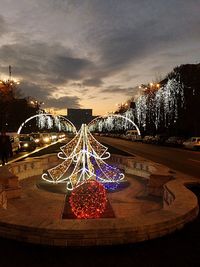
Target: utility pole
10 72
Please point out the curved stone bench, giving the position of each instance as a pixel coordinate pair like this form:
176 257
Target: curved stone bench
33 166
154 174
9 183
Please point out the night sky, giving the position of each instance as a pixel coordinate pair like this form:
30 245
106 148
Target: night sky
94 53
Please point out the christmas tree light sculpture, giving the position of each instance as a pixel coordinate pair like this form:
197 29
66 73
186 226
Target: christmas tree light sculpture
84 158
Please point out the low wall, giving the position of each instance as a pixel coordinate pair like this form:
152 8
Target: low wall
33 166
154 174
10 183
11 174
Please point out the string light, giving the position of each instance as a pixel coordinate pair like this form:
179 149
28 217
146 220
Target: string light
111 172
161 106
43 120
88 200
114 122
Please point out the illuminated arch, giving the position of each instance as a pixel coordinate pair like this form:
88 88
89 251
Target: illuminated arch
119 116
45 114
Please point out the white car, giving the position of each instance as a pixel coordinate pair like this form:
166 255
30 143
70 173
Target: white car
46 138
133 135
192 143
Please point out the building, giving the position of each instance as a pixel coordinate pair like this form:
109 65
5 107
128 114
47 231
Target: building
79 116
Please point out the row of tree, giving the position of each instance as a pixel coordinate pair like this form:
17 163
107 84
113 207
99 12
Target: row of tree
170 107
14 109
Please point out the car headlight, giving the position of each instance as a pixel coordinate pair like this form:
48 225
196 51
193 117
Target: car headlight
25 145
46 139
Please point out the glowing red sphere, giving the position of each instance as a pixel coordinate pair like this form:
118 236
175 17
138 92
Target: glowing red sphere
88 200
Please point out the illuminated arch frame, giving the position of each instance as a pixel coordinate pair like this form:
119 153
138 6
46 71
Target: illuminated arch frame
119 116
45 114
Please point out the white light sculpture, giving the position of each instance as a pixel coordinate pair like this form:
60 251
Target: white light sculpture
84 158
114 121
46 117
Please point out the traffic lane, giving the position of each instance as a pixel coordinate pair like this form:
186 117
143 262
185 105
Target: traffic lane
182 160
46 149
53 148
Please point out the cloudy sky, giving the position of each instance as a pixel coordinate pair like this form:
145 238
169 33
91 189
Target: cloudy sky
94 53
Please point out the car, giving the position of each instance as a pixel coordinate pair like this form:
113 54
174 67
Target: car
147 139
37 138
133 135
159 139
61 136
192 143
175 141
54 137
27 143
46 138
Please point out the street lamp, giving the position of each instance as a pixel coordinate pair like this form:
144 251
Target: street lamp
158 85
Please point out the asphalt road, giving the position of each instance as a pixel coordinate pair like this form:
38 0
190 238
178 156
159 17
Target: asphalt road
178 159
39 151
53 148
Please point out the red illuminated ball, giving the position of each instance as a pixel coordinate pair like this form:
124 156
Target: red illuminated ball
88 200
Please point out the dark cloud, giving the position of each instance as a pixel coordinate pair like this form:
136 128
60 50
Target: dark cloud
92 96
44 94
43 68
120 90
3 26
64 102
76 84
93 82
73 45
41 61
64 68
159 26
127 45
38 91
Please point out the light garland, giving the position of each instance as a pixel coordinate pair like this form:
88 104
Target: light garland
89 200
42 120
163 106
114 122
